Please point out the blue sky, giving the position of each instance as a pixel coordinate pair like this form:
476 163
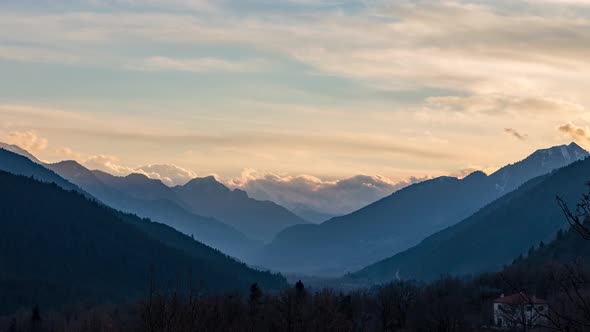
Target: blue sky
320 90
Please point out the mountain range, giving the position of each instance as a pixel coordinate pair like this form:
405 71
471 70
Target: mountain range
182 207
137 198
16 163
202 200
207 230
493 236
418 232
401 220
59 247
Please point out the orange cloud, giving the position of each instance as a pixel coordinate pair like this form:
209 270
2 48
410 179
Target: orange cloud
27 140
577 133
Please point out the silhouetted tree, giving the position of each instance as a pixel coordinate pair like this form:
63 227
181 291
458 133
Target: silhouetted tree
396 300
36 315
254 303
255 294
12 326
35 319
300 288
441 307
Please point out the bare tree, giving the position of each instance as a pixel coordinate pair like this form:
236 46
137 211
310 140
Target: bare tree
395 301
578 218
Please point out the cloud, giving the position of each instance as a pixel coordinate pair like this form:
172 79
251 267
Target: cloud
500 104
484 57
197 65
359 144
169 174
106 163
38 55
335 197
27 140
579 134
397 45
205 6
563 2
65 152
515 133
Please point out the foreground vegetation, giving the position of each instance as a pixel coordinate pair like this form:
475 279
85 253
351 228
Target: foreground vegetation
449 304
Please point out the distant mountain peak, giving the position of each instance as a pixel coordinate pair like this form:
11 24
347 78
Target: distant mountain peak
577 150
210 178
443 179
475 175
206 182
564 153
71 167
138 176
71 164
571 151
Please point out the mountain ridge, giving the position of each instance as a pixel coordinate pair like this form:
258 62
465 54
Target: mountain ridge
518 220
400 221
207 230
71 249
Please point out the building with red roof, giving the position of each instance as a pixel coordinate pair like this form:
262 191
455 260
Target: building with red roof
519 310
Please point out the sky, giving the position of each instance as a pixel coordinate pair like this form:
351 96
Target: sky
312 94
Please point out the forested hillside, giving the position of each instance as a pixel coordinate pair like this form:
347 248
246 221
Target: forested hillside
59 247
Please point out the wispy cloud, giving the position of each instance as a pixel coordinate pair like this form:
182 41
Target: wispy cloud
500 104
28 140
579 134
170 174
197 65
106 163
513 132
398 45
349 79
358 145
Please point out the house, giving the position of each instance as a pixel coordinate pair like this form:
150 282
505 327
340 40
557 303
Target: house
519 311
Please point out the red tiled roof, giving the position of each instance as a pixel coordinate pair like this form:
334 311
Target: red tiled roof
520 298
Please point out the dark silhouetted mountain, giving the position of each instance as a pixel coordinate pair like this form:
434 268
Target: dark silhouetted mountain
151 199
540 162
493 236
207 230
59 247
569 247
18 150
403 219
138 186
260 220
16 163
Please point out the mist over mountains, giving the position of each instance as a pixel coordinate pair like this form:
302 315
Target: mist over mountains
424 230
318 200
200 208
403 219
116 235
